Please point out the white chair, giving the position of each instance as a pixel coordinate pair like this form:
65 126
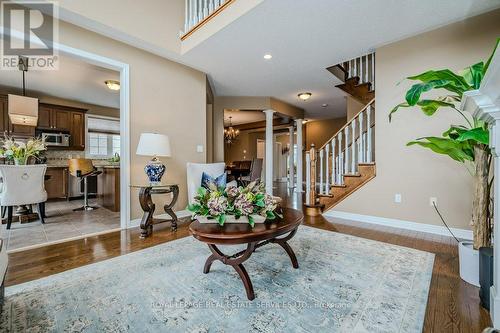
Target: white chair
23 185
194 173
4 262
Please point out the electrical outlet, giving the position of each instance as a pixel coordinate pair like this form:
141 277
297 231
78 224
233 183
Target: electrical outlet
397 198
433 201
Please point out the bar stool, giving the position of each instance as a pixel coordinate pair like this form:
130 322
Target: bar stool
83 168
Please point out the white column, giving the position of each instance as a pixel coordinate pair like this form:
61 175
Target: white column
269 151
299 187
495 289
308 177
333 160
327 173
321 155
353 147
186 16
346 150
291 158
368 134
362 156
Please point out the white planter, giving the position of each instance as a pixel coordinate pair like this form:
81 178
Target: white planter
232 219
469 263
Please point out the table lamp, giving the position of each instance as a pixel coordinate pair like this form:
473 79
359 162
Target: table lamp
152 144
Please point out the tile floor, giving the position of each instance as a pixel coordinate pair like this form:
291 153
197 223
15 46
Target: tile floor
61 223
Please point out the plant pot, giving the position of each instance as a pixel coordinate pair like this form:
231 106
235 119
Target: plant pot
469 263
232 219
485 275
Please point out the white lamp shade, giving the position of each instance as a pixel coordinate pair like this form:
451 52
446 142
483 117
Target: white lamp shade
152 144
23 110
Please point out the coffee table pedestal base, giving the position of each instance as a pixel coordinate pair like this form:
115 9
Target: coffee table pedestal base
236 260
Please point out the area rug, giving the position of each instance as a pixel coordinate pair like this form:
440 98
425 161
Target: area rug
343 284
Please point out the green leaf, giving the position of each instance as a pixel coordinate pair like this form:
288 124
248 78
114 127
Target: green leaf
201 191
193 207
251 220
454 81
454 132
413 95
221 219
270 215
396 108
430 106
474 74
459 151
260 203
485 69
477 134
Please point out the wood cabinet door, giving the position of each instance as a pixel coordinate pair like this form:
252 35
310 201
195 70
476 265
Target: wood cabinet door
77 130
57 185
61 119
22 130
44 117
4 115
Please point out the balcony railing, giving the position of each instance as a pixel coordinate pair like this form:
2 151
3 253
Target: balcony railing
199 12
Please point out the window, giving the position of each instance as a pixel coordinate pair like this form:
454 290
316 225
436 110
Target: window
116 144
98 144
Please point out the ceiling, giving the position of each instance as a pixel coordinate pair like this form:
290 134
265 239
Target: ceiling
305 38
74 80
243 116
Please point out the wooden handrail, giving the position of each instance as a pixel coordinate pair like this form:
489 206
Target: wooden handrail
206 19
347 124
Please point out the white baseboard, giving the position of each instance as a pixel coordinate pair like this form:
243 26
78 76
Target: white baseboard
401 224
180 214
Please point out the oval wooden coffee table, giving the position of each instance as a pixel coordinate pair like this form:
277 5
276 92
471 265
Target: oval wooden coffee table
260 235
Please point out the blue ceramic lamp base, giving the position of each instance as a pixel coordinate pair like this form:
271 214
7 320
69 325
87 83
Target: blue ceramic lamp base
154 170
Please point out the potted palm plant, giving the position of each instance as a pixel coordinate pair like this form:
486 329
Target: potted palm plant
466 143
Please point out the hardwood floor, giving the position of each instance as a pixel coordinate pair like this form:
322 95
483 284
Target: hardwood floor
453 305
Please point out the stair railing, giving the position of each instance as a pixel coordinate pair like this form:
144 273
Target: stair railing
198 12
345 150
362 67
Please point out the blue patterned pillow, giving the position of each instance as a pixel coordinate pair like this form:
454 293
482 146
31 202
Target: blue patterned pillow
219 181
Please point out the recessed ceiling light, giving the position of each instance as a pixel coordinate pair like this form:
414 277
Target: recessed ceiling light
113 84
324 105
267 56
305 96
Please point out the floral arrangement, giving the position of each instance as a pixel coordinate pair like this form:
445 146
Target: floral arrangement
20 151
218 203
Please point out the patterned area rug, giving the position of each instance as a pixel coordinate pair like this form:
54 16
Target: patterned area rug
344 284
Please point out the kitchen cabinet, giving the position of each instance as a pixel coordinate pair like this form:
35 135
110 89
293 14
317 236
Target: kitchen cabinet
7 127
54 117
77 131
108 188
3 115
57 185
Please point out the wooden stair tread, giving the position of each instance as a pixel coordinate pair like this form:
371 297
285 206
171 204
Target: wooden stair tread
352 175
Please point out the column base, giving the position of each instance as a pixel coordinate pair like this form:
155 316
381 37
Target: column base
495 307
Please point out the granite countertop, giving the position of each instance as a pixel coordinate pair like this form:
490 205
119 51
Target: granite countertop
97 164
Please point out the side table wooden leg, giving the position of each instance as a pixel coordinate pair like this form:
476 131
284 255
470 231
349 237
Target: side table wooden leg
169 207
148 207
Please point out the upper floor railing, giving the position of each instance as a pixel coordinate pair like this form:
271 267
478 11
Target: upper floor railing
198 12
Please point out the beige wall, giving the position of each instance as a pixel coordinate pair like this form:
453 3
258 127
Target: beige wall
165 97
353 107
318 132
416 173
286 109
156 22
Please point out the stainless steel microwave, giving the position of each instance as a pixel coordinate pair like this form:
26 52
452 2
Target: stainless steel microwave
56 139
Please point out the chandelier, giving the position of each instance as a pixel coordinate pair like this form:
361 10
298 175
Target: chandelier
230 134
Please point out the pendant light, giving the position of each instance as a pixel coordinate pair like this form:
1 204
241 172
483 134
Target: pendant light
230 134
23 110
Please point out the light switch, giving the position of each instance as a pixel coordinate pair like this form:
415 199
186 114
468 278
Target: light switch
199 148
397 198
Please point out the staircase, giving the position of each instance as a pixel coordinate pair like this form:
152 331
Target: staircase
358 76
347 160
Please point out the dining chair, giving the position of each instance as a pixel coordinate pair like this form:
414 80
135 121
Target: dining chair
23 185
255 172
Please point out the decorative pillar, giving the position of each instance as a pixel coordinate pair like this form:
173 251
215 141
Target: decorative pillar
291 158
269 151
308 178
299 187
